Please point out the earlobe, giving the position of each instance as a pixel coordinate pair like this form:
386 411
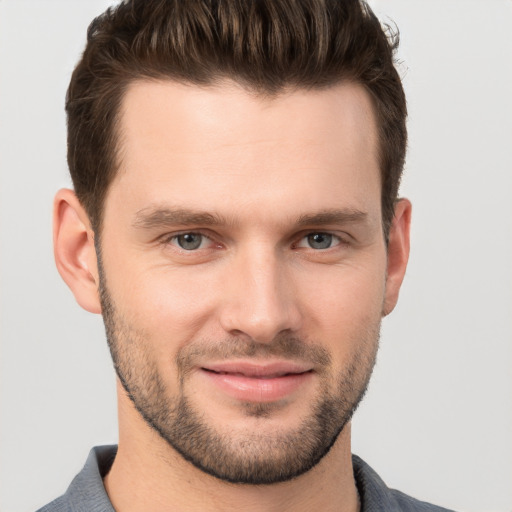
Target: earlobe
398 253
74 251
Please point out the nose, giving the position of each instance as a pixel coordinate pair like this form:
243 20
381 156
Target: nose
259 297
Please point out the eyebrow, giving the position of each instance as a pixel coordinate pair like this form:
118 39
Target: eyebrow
152 218
333 216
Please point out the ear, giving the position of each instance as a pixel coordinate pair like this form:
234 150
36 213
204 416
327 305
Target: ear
398 253
74 251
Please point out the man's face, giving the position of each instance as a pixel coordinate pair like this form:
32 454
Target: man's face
243 270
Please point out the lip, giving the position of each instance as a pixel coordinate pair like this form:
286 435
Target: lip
257 382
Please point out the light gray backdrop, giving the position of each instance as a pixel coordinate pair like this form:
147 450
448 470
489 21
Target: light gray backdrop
437 421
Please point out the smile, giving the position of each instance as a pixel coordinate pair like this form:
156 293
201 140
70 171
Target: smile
257 383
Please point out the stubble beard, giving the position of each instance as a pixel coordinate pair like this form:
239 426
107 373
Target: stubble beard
249 457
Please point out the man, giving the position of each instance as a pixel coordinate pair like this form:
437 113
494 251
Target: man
235 220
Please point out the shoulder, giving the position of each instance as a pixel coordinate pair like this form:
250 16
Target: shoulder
407 503
59 505
86 492
375 495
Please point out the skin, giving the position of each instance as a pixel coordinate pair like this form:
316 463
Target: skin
260 165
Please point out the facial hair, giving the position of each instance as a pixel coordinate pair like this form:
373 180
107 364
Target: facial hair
254 456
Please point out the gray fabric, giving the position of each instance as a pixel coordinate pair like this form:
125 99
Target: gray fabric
376 496
87 493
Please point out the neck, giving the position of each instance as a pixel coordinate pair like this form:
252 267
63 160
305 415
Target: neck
149 475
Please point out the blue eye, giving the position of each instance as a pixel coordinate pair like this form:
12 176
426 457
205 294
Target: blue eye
320 240
189 241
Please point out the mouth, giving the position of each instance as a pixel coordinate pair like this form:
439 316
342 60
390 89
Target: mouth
252 382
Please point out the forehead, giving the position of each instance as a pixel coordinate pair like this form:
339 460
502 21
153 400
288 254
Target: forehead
222 147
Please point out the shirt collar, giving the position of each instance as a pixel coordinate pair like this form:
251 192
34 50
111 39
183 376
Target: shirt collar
87 492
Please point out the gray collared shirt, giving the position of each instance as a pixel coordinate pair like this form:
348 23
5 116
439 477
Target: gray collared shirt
87 492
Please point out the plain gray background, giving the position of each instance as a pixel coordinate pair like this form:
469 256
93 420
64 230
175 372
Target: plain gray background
437 421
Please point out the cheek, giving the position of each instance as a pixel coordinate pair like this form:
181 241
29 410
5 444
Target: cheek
345 294
343 310
167 304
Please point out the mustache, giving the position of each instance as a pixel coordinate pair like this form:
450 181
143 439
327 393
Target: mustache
282 346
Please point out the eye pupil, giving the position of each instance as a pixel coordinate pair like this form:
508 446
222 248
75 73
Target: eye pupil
189 241
320 240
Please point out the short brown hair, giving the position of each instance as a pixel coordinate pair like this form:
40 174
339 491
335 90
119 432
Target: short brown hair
265 45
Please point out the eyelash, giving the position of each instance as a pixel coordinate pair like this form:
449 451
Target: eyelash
167 239
332 236
341 241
